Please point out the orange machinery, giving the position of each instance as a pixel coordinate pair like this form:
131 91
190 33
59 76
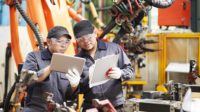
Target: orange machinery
45 14
176 15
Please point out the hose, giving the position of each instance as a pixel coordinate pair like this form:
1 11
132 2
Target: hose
108 28
6 106
1 105
31 24
7 59
160 3
137 21
125 9
7 97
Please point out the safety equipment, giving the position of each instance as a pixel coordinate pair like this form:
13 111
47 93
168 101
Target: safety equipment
74 77
114 73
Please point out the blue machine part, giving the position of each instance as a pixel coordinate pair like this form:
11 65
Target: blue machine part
4 13
5 17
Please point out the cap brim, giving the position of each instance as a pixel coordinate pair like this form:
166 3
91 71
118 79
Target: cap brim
63 34
67 35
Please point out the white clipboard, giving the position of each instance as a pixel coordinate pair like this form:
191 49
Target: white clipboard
101 66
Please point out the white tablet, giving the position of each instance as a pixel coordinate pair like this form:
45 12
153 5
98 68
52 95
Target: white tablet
63 63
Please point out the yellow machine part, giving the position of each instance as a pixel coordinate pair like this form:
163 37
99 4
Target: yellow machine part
163 55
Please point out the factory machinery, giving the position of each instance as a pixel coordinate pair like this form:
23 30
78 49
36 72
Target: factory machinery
127 14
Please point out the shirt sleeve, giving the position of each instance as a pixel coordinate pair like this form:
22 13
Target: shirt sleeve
125 65
32 64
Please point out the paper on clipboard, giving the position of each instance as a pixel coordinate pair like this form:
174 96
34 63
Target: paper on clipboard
98 70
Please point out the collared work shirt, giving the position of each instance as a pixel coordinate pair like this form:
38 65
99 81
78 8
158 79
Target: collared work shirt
111 90
55 83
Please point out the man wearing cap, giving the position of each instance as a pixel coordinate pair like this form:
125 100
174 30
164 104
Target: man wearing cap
92 49
62 86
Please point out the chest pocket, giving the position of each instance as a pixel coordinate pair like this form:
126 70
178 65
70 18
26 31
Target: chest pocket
63 84
63 80
41 63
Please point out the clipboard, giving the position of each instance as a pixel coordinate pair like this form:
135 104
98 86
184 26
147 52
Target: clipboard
101 66
63 63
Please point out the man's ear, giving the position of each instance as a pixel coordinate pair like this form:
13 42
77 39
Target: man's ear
76 47
95 33
48 42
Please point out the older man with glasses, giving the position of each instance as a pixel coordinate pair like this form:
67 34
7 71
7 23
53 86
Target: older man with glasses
57 83
93 49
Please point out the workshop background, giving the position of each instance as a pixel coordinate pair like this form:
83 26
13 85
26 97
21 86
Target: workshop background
173 31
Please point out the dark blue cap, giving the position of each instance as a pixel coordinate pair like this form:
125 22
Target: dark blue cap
57 32
84 27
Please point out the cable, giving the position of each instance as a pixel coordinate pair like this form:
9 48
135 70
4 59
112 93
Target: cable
130 7
6 106
7 59
31 24
107 29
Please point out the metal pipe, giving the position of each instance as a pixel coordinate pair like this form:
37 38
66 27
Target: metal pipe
7 60
108 28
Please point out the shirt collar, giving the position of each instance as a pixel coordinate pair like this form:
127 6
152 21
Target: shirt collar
101 45
46 54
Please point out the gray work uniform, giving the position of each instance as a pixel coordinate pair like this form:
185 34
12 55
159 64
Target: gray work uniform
111 90
55 83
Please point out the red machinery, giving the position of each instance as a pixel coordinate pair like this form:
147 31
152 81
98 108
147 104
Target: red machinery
176 15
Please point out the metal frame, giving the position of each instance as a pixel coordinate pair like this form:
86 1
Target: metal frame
162 54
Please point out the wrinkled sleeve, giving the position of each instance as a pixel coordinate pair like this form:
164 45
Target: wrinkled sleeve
31 64
125 65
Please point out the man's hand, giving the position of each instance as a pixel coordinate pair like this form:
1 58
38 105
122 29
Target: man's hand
74 77
114 73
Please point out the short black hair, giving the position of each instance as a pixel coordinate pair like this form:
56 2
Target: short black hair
58 31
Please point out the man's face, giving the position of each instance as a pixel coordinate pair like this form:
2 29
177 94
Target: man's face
87 42
58 45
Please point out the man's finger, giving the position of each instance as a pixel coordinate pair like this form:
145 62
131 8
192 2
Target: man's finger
115 68
108 72
76 72
69 77
112 72
71 73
